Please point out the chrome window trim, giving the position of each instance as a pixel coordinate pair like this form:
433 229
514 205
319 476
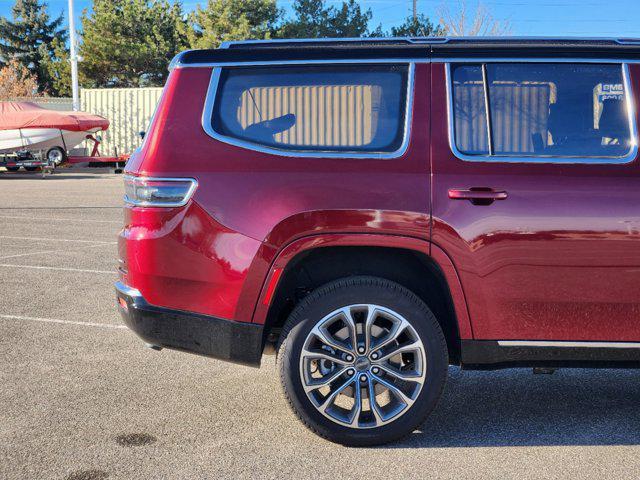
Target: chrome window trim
427 58
495 59
628 158
207 124
187 197
262 63
563 344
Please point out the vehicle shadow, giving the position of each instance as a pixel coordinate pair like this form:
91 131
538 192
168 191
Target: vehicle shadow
517 408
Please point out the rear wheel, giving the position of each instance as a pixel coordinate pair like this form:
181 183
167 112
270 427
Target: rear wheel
362 361
13 169
31 169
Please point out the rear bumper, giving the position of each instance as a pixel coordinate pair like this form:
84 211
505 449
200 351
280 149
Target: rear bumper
237 342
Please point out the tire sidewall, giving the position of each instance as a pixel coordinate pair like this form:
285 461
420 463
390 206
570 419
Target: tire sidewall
364 290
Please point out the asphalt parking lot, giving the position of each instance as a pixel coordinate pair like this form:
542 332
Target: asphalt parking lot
81 398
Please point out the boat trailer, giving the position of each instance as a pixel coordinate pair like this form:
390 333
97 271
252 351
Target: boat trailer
33 161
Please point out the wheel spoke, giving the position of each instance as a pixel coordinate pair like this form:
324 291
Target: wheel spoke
324 338
331 397
357 406
409 347
323 381
323 355
408 401
406 376
371 316
392 335
373 405
353 333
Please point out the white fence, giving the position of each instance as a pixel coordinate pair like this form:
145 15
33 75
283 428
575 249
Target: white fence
128 109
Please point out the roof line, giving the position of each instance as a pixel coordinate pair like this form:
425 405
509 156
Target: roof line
430 40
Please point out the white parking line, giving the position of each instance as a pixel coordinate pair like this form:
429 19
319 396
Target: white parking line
40 239
41 267
65 322
79 220
54 251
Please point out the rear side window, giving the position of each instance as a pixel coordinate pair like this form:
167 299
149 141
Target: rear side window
541 110
328 108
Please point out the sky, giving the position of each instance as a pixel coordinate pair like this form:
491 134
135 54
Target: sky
611 18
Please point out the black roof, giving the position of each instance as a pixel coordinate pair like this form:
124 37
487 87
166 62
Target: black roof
415 47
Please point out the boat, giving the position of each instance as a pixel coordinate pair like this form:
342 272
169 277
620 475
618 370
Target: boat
28 128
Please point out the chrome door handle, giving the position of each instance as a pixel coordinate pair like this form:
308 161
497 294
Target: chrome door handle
477 195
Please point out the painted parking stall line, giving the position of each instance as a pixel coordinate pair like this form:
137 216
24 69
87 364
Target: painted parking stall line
62 322
42 252
62 269
40 239
57 219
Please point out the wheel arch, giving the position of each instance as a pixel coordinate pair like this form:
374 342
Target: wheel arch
414 263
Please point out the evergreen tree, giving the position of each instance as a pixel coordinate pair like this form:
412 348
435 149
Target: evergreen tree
314 19
420 26
223 20
58 68
28 38
129 43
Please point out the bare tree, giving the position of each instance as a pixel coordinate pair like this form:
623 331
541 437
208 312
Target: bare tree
459 21
17 81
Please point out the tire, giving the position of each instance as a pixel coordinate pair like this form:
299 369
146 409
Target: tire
12 169
316 323
56 155
32 169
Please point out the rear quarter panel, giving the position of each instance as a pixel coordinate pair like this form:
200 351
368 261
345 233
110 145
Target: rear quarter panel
275 200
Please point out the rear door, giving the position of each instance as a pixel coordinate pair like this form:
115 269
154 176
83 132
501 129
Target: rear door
538 202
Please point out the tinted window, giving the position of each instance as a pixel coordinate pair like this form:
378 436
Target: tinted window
470 112
545 109
322 108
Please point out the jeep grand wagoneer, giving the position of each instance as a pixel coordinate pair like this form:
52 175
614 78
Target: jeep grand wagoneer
376 210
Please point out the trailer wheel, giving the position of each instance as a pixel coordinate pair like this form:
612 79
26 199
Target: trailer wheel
56 155
13 169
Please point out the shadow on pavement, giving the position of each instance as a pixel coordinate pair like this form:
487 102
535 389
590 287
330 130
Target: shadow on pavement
516 408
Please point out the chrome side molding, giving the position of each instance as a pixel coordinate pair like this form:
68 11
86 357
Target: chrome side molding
562 344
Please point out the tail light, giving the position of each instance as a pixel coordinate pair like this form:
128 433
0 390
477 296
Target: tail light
158 192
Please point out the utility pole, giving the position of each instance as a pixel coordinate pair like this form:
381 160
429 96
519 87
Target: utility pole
415 10
74 58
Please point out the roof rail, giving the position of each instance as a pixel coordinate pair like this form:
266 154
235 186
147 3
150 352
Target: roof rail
430 40
301 41
629 41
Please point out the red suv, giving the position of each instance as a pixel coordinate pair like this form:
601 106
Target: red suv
377 210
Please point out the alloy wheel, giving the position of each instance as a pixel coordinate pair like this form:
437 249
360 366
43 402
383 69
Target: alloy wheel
363 366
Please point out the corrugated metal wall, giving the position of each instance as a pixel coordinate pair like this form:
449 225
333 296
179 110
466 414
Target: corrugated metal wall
470 118
128 109
51 103
517 112
331 115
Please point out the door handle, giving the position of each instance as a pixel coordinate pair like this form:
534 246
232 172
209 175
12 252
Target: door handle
477 195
